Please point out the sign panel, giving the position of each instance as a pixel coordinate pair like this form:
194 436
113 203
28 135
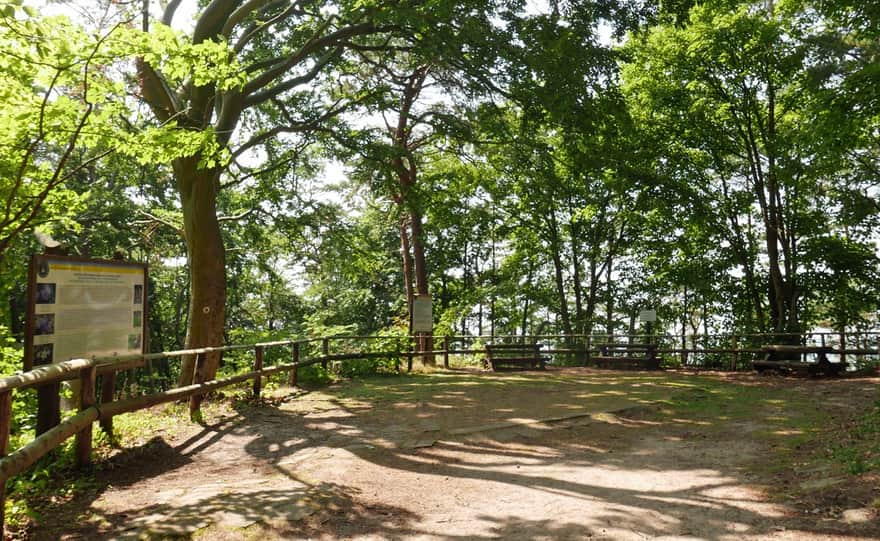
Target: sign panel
79 308
648 315
422 316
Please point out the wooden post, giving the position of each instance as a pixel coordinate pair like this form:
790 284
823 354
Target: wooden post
48 407
325 350
843 349
446 351
409 358
588 351
735 347
86 401
108 389
258 367
294 373
878 366
5 424
195 401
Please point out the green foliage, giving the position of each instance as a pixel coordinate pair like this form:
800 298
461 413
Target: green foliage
731 96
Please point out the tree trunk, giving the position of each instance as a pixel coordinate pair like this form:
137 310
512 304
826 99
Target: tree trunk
577 286
421 275
407 270
525 316
574 236
609 293
404 166
592 297
556 256
207 265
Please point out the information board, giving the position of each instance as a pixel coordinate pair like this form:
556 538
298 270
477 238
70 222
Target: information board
79 308
422 316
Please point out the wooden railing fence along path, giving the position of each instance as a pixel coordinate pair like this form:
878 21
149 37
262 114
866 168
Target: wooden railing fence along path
575 350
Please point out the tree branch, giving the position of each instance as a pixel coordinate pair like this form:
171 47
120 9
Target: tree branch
170 10
235 217
269 93
155 219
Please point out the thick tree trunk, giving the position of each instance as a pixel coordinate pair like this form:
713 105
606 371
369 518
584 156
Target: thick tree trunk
207 266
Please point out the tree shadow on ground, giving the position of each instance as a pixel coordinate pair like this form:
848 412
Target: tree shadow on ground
639 472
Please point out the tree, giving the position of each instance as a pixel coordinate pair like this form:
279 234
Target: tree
284 52
726 90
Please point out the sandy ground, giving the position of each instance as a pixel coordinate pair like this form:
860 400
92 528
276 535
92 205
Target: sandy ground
566 454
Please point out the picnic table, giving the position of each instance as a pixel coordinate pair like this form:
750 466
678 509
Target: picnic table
519 355
789 358
624 355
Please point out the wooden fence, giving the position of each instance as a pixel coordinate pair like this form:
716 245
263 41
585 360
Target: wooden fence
729 352
302 353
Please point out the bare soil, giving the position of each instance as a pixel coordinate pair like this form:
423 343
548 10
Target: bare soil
562 454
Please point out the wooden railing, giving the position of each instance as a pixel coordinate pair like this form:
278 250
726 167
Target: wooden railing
576 349
714 351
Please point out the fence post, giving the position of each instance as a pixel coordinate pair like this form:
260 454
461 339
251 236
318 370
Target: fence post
86 401
195 401
735 361
325 350
843 349
294 376
258 368
878 364
108 389
588 353
446 351
5 424
410 346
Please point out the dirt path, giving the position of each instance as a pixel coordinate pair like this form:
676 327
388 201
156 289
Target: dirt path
570 454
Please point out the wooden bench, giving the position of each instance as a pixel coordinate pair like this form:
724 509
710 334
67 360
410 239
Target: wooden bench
793 359
627 356
518 355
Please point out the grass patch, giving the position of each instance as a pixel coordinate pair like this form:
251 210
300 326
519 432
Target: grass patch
859 450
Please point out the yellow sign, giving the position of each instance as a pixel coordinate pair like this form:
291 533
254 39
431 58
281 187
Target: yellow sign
80 308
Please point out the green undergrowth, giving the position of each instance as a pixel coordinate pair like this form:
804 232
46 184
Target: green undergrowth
858 450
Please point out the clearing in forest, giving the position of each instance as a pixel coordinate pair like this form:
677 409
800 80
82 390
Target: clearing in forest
562 454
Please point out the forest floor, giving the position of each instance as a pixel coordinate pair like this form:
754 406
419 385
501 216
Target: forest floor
564 454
